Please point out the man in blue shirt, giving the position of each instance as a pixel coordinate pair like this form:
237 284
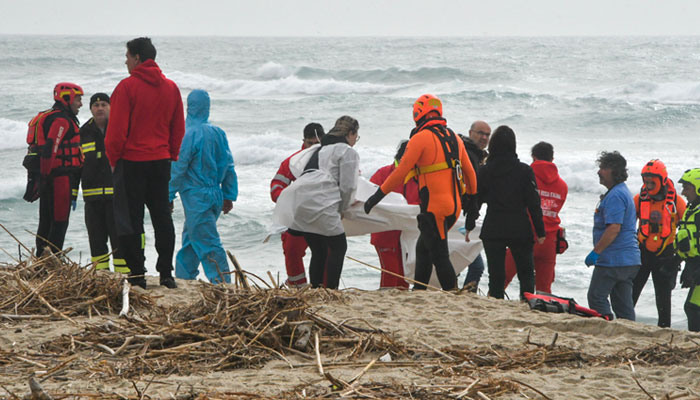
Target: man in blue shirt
616 252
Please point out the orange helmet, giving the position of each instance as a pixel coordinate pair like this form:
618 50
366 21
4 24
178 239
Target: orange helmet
425 104
65 92
656 169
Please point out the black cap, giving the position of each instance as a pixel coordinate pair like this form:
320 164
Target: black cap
97 97
313 130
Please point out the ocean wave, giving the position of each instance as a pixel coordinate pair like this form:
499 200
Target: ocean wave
290 85
645 91
391 74
273 70
12 134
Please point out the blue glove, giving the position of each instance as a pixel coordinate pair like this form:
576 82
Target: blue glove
74 204
592 258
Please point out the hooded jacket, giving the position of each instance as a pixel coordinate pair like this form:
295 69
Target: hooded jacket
206 164
509 188
316 200
552 190
146 120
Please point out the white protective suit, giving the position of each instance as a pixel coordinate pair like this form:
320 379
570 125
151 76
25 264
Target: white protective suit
317 199
392 213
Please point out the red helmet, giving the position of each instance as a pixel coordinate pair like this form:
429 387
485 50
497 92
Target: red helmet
425 104
656 169
65 92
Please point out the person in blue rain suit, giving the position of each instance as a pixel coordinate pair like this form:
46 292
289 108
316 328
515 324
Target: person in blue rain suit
206 179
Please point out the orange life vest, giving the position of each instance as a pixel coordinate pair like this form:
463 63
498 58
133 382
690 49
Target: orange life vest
657 220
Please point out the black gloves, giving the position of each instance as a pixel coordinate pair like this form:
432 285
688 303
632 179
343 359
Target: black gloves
690 276
373 200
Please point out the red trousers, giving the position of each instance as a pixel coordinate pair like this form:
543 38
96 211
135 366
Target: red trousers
391 259
294 248
545 256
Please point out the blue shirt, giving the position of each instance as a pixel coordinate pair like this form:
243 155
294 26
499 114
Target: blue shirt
617 207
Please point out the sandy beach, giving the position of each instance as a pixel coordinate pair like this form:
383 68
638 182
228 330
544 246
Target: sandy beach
439 345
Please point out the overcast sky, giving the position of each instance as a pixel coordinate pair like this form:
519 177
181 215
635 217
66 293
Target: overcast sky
351 18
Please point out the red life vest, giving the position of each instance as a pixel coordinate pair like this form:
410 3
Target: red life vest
68 153
657 219
548 302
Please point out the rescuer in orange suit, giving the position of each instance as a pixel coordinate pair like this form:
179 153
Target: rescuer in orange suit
436 157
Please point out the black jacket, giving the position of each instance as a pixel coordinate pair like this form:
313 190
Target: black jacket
509 189
475 153
96 175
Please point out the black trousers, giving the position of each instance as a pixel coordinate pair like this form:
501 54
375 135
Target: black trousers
327 256
431 251
496 260
663 272
139 183
99 221
54 210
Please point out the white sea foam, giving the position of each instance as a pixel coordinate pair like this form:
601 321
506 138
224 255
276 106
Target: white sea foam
662 92
289 85
273 70
13 134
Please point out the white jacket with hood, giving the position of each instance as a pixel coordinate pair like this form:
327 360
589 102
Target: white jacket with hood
316 200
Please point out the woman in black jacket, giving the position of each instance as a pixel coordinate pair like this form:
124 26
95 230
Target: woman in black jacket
508 187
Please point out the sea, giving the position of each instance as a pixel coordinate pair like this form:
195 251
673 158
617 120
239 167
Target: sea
636 95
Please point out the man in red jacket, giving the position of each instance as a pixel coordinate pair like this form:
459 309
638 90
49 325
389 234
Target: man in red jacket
388 244
553 191
146 126
293 243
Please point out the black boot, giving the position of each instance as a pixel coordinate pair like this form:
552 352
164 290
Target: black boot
139 281
168 281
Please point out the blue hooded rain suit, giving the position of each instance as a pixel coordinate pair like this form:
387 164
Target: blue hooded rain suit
204 176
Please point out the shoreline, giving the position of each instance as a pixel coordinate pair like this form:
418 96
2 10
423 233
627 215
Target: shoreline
439 344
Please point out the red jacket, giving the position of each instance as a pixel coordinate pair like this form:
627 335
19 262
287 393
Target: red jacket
389 239
553 191
282 178
146 119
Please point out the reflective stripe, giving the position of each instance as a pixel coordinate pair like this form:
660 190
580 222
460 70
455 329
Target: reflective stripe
295 278
425 170
695 297
101 262
282 178
102 265
272 189
92 192
143 241
97 191
101 258
74 192
88 147
120 266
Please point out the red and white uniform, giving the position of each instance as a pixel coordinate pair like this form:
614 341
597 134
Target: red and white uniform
388 244
293 246
553 191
